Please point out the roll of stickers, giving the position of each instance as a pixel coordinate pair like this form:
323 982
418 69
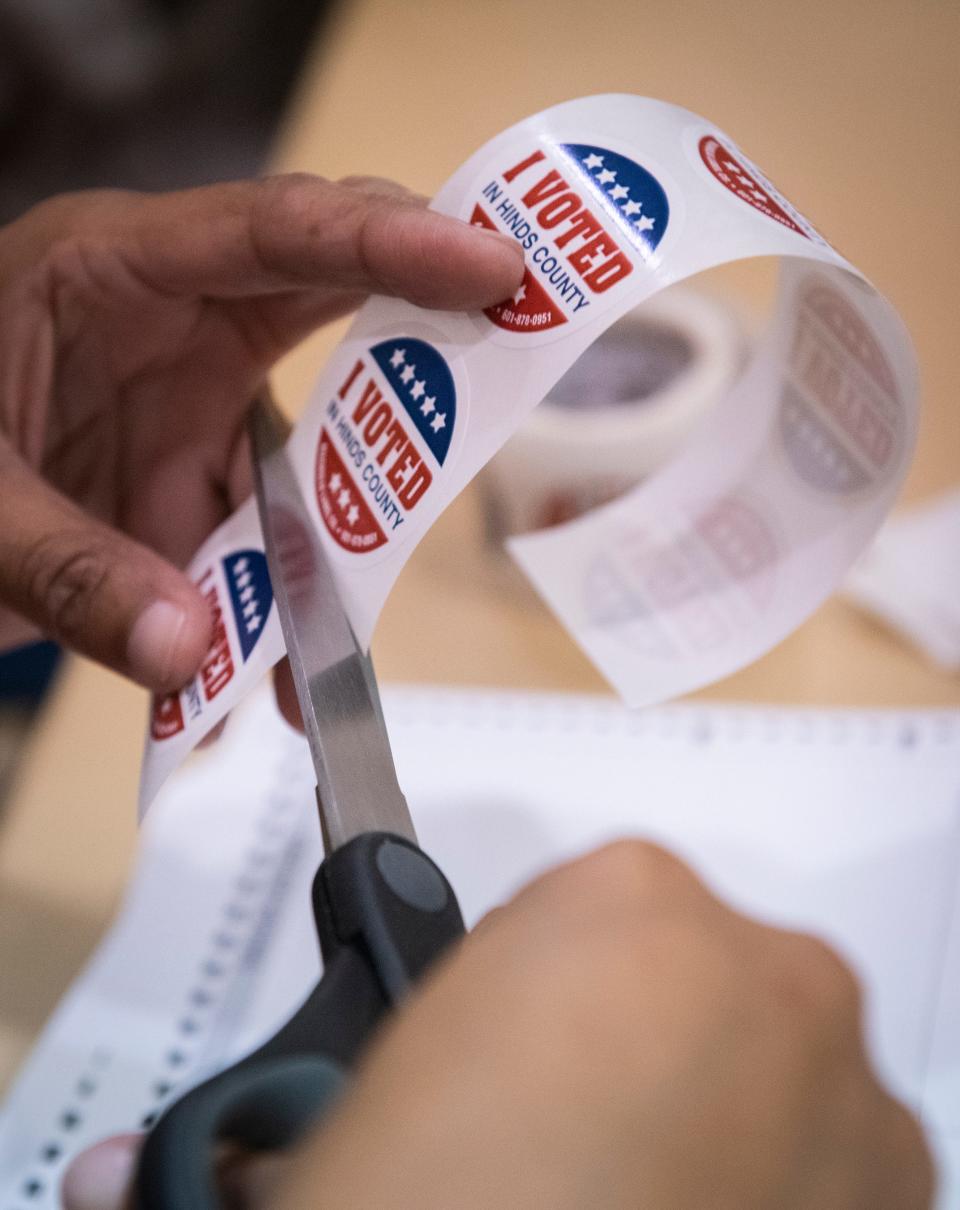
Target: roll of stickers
702 567
621 411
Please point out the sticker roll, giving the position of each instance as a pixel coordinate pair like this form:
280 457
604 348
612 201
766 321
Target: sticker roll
620 412
702 567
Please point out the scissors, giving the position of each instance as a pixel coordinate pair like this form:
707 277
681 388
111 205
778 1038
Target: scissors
384 911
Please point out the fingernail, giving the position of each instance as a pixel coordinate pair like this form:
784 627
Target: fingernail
154 643
99 1179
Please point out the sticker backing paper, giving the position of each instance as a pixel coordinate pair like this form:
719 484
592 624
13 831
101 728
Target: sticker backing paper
686 578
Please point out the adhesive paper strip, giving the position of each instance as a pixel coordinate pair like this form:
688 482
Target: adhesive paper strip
703 567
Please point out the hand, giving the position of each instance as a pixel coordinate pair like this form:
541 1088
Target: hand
134 331
615 1038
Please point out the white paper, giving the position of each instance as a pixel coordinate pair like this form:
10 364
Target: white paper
844 823
910 577
709 563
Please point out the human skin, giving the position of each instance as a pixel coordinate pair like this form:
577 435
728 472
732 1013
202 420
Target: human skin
134 331
614 1038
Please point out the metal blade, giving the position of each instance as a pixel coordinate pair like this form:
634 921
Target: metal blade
357 786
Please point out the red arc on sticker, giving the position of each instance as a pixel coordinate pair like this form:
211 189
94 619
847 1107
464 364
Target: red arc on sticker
741 182
344 510
531 308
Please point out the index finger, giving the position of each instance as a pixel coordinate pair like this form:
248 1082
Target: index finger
303 232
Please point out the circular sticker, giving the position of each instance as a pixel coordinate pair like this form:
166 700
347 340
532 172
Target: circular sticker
384 436
744 180
588 218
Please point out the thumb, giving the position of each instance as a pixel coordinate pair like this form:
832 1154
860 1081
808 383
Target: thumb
94 589
101 1178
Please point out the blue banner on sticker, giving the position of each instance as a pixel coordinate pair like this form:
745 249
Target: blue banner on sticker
423 384
634 197
251 595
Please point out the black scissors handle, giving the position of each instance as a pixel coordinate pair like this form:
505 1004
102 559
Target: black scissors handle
384 913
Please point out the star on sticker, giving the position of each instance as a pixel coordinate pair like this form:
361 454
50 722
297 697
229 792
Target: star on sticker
632 208
618 192
644 224
248 593
521 294
417 389
253 624
352 514
407 373
605 177
334 482
428 405
438 422
398 358
344 498
250 609
593 161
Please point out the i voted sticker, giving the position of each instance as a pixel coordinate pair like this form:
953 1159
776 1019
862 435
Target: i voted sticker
385 436
588 219
238 592
731 168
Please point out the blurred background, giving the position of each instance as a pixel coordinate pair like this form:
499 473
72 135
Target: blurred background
143 94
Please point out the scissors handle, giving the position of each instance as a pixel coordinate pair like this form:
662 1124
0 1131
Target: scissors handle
384 913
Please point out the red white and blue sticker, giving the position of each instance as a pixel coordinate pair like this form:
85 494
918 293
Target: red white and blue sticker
240 596
385 435
586 217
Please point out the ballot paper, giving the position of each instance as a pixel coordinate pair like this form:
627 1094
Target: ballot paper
846 823
690 575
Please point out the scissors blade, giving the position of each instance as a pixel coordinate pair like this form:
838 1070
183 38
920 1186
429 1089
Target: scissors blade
357 786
